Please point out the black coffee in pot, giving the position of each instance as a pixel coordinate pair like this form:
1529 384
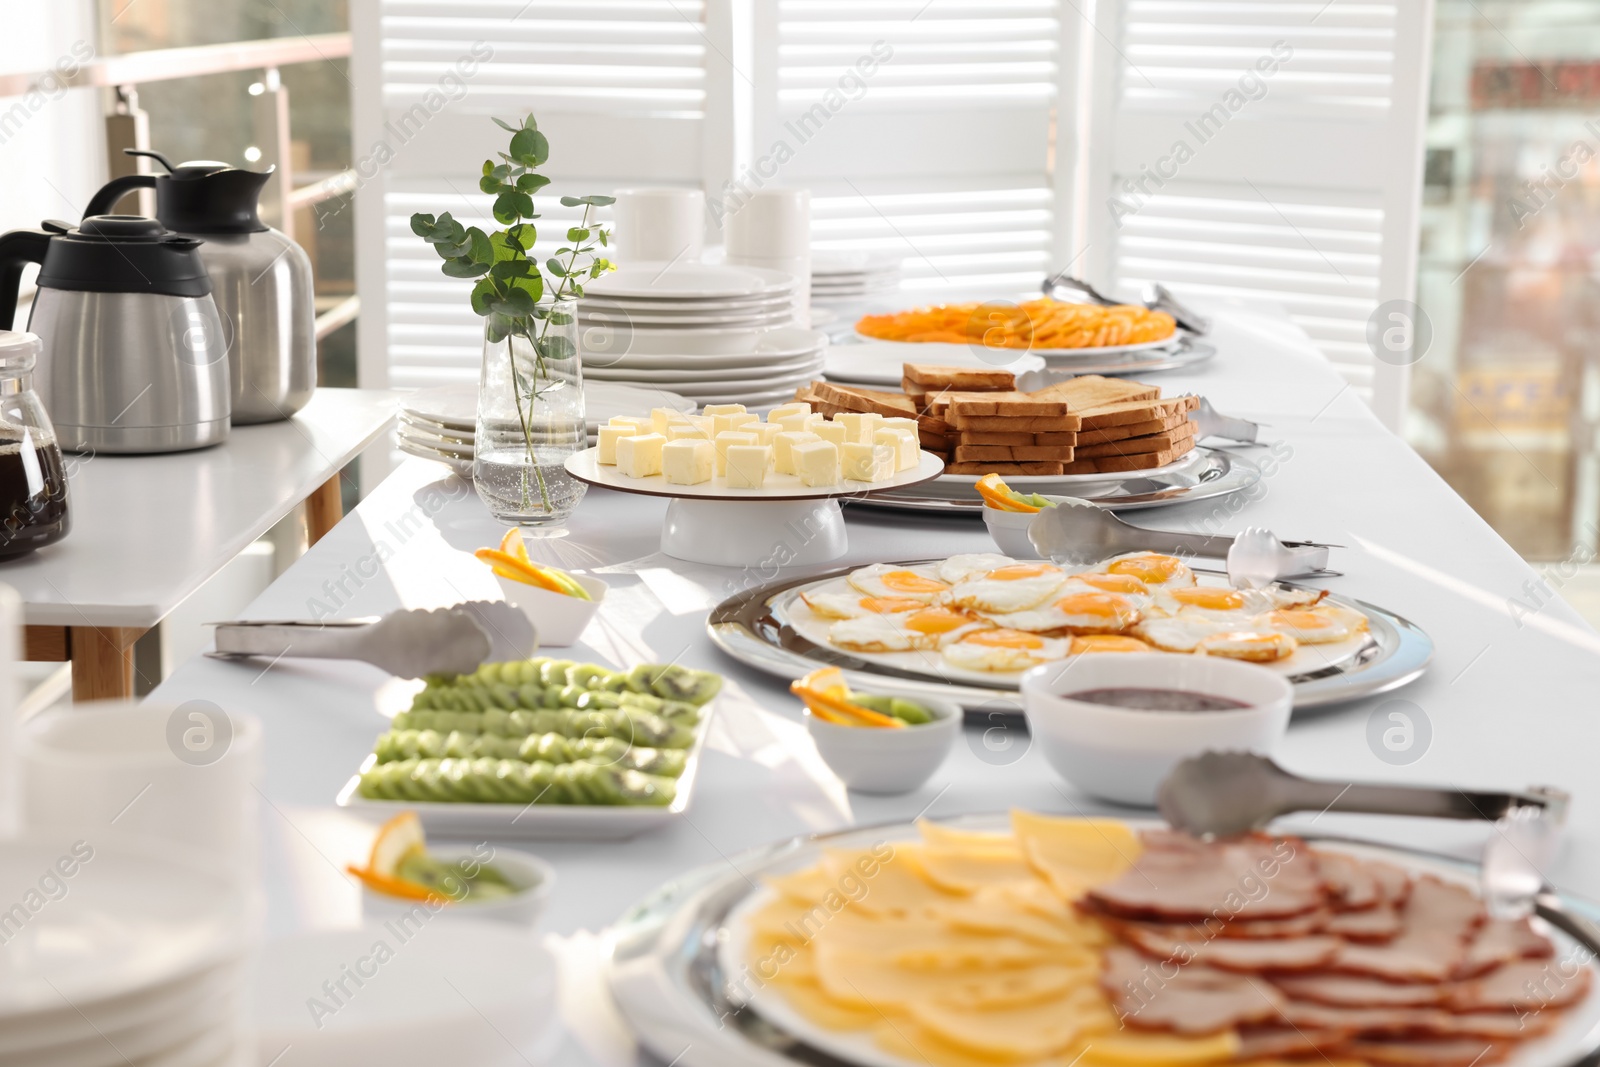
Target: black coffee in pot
33 496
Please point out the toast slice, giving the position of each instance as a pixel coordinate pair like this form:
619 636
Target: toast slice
1124 464
1156 442
1094 390
932 378
1004 468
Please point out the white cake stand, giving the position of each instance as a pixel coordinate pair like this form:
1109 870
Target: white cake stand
782 524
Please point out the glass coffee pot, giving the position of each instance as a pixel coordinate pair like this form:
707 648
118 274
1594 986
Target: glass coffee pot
33 480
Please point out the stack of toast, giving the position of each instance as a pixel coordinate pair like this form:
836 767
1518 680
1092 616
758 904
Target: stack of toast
979 423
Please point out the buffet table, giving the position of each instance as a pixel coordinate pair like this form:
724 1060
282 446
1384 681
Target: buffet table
1505 699
147 531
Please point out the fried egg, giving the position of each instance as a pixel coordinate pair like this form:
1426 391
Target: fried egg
1284 597
1238 606
927 628
1319 626
958 567
1106 643
1126 584
854 605
1004 650
1151 568
1015 587
1081 611
886 580
1256 646
1181 633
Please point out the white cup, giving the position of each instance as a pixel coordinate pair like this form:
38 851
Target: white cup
659 223
1123 754
187 773
772 229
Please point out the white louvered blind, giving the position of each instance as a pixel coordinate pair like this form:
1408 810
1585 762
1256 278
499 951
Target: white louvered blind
940 152
1296 186
627 91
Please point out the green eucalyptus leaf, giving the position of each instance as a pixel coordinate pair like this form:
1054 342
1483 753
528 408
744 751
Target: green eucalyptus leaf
578 234
505 208
531 183
554 266
599 201
421 225
504 125
555 346
530 147
482 249
571 201
498 327
574 288
481 294
532 287
604 236
489 185
463 267
529 123
562 318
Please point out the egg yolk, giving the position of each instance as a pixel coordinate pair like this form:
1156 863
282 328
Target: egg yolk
1211 599
1006 639
889 605
1300 620
1108 643
1102 604
912 582
1019 571
1148 568
936 621
1112 583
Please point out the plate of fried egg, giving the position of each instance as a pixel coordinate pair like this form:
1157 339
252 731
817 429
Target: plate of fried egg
976 621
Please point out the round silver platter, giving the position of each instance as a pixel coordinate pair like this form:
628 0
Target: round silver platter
666 971
752 627
1219 473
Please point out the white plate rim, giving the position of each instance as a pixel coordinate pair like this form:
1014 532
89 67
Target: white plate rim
1103 350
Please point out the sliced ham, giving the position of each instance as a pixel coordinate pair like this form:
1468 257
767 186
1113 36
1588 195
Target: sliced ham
1248 879
1352 884
1273 1042
1501 941
1412 1022
1299 926
1524 986
1457 1052
1382 923
1440 918
1195 999
1352 992
1249 955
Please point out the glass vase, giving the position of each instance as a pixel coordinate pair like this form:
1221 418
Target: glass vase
530 419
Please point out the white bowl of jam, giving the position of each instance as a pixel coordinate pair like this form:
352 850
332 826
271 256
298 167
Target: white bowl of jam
1115 724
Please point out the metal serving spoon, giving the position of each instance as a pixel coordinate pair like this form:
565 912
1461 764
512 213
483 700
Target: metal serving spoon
1078 533
407 644
1226 793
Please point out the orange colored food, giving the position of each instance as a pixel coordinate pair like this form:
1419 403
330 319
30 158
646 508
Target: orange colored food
1042 323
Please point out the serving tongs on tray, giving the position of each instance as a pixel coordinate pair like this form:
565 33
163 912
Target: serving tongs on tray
1228 793
409 643
1078 533
1157 297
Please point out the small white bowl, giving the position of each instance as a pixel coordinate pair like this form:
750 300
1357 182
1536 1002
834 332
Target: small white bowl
558 618
1009 529
872 759
530 874
1122 754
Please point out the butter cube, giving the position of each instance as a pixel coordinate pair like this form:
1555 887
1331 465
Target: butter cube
765 432
794 423
639 456
724 440
907 452
834 432
661 418
609 436
816 462
640 423
859 426
784 411
747 466
814 420
783 449
867 463
688 461
722 409
736 420
909 425
687 430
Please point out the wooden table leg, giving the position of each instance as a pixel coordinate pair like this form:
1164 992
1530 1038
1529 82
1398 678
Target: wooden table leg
324 509
46 644
102 662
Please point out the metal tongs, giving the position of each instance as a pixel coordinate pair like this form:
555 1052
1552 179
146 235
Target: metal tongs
1078 533
408 644
1156 297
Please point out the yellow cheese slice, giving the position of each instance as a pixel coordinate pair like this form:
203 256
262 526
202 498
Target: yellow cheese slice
777 959
1023 1032
887 882
927 942
962 870
939 835
1132 1048
807 886
864 979
1075 855
915 1044
816 1007
996 916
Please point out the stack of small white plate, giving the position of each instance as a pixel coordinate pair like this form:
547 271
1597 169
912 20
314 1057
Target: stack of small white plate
847 276
441 423
716 333
136 958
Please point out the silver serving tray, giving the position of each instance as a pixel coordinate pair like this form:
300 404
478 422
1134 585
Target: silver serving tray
666 972
748 628
1218 474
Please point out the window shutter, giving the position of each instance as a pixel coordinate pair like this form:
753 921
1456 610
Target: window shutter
1296 185
627 91
922 128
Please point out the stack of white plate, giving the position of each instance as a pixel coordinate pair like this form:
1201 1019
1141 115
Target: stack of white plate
716 333
846 276
441 423
136 958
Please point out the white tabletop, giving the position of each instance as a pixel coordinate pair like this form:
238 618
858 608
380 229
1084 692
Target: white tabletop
149 530
1509 704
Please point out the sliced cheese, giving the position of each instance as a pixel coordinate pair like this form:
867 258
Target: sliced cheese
1075 855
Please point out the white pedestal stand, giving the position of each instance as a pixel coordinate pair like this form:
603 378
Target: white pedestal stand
777 533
